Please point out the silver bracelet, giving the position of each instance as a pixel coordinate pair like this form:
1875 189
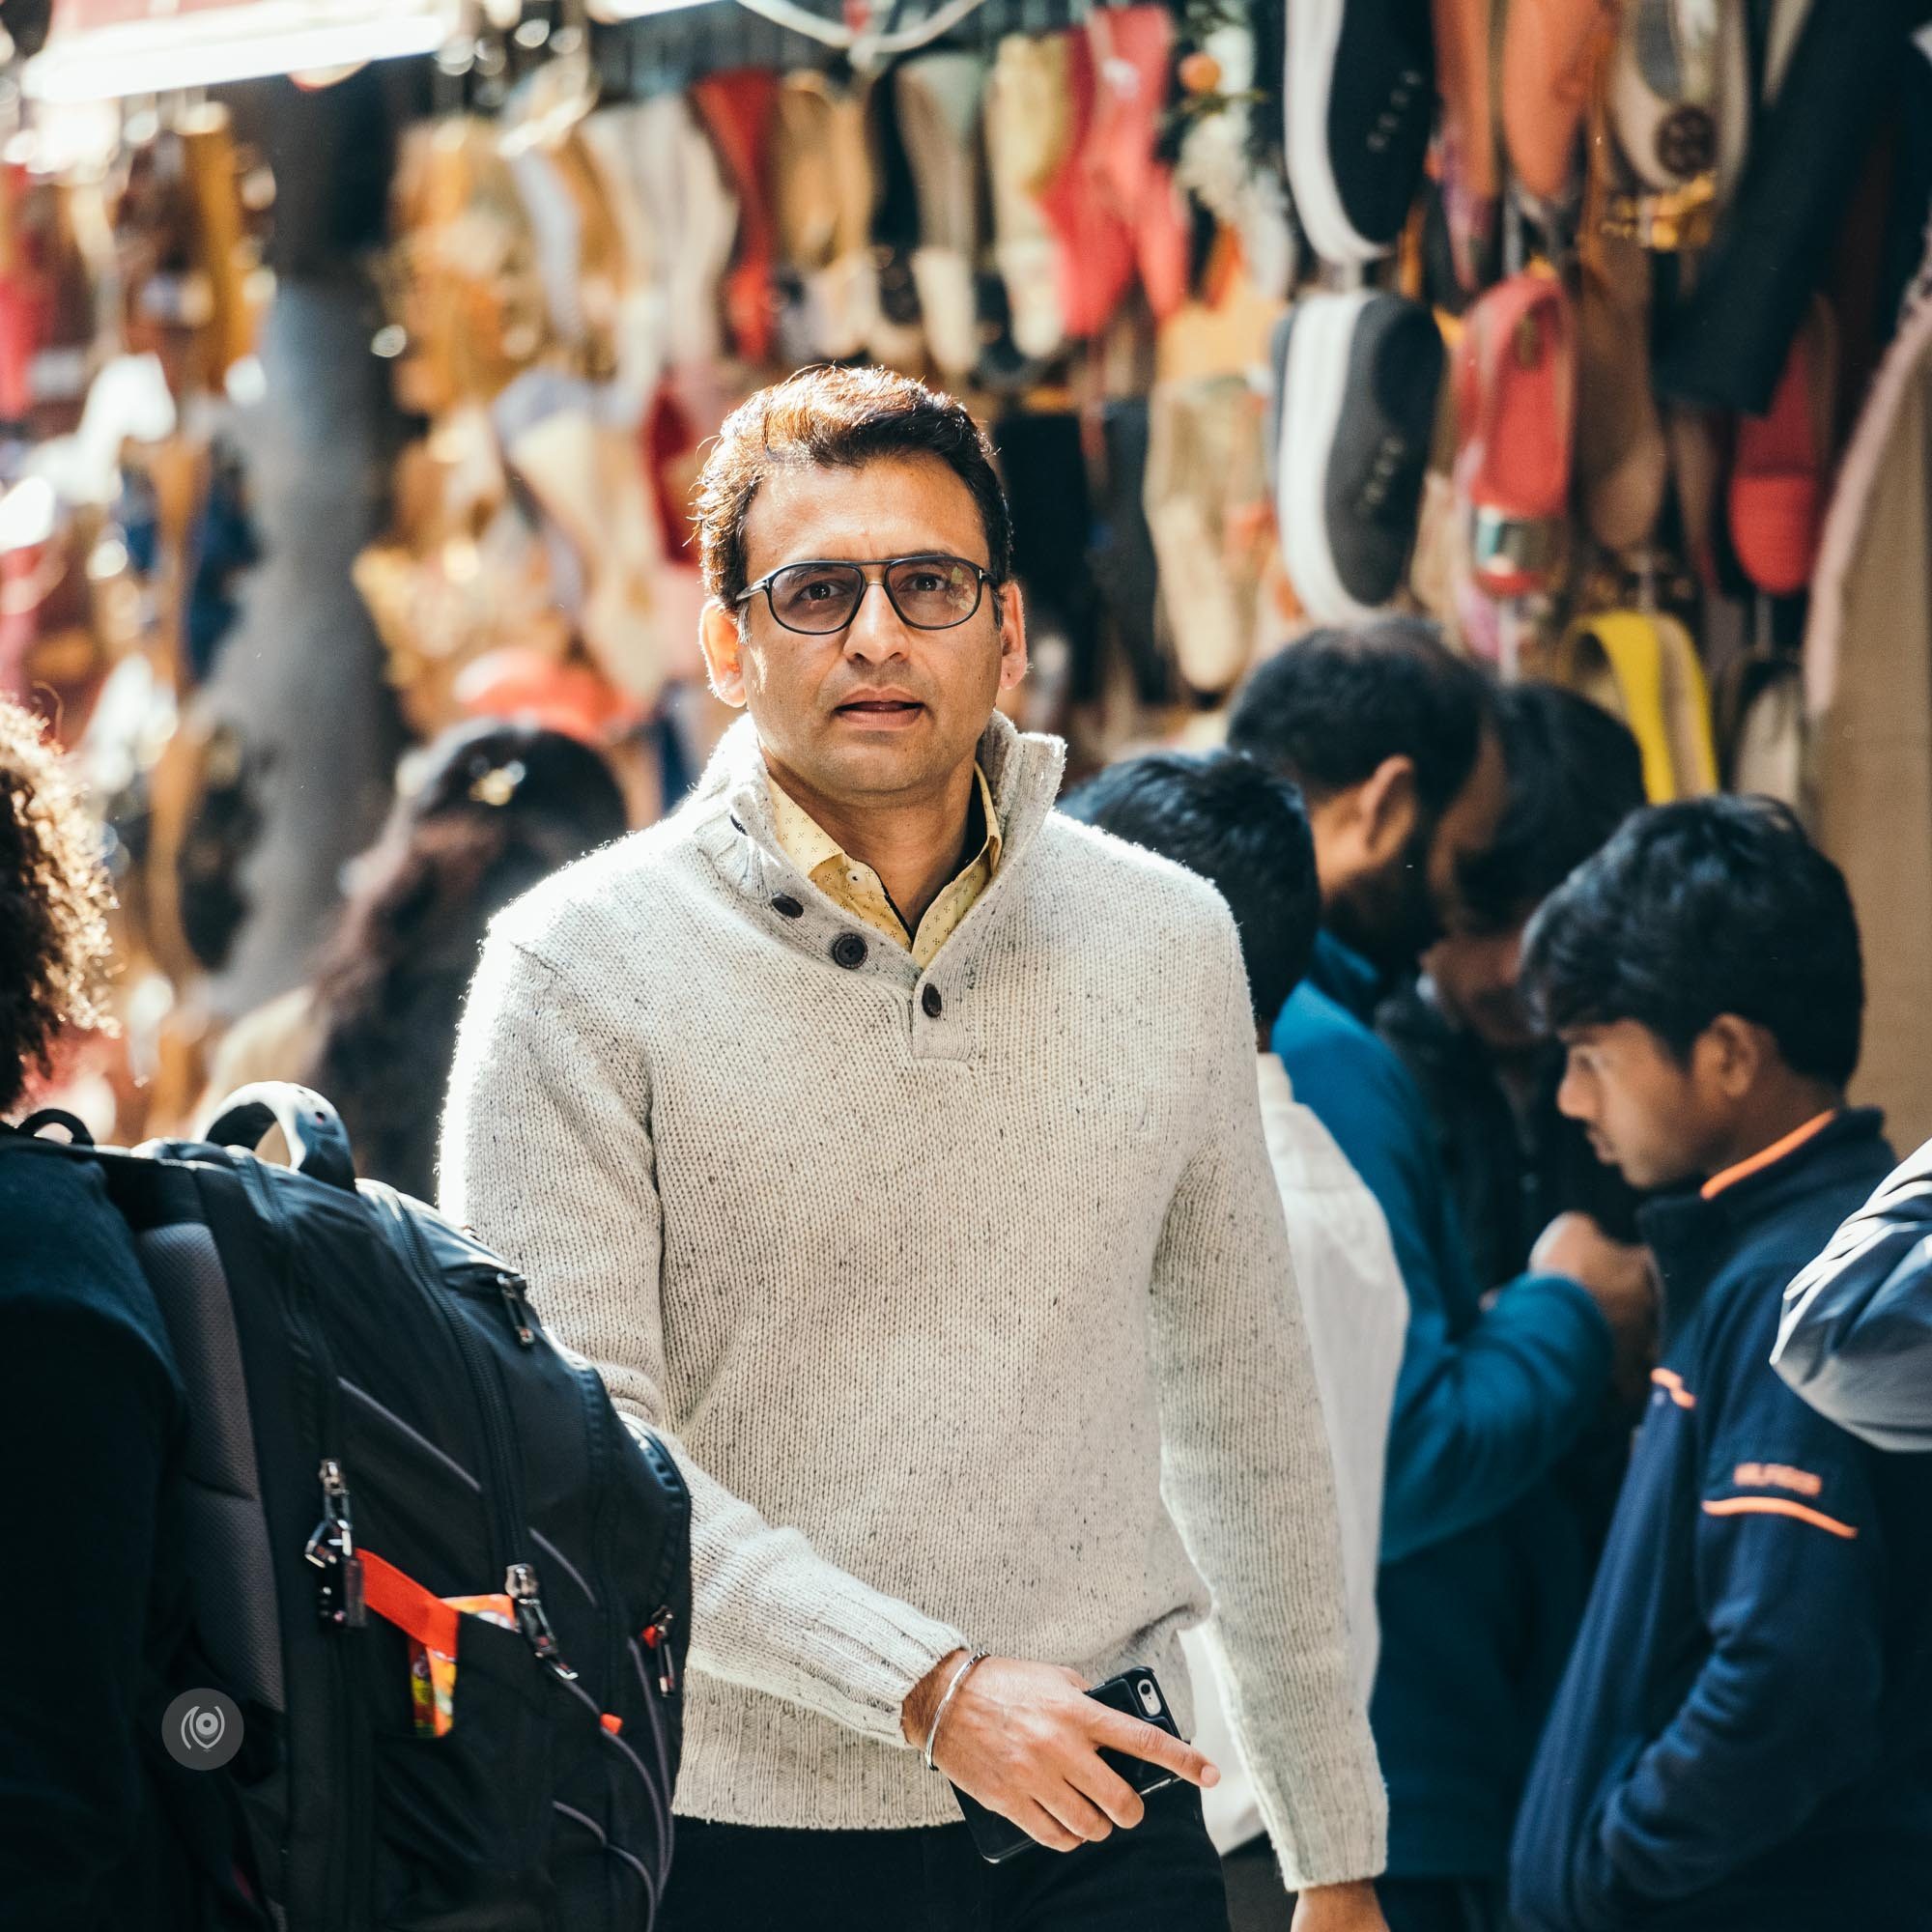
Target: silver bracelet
958 1678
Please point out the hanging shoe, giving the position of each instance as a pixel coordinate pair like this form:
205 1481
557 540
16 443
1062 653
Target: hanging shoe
1471 171
1780 465
1026 141
1553 51
1356 380
1358 100
1623 461
1678 105
1516 395
938 98
1096 246
736 108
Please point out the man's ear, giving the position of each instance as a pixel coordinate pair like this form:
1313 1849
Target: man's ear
1734 1052
1011 619
1386 809
724 651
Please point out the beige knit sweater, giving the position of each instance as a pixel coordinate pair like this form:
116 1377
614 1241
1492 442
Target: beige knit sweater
962 1296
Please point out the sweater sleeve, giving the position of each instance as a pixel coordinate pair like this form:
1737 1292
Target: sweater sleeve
1479 1414
547 1153
1785 1710
1247 1473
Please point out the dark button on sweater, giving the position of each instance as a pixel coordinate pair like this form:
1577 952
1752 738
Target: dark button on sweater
787 905
848 950
930 998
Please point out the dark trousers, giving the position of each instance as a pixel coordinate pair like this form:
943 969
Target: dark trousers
1161 1877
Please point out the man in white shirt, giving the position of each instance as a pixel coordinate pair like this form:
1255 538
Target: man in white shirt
1244 830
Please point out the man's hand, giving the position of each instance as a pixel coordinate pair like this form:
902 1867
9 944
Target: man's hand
1619 1278
1339 1908
1024 1740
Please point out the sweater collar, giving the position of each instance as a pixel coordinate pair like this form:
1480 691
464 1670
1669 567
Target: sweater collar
733 821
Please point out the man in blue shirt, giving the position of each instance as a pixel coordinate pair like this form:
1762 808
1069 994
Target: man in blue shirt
1744 1734
1393 742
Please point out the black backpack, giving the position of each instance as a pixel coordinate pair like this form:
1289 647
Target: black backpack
377 1423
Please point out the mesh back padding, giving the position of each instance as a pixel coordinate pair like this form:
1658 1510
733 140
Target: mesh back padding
223 1521
227 1539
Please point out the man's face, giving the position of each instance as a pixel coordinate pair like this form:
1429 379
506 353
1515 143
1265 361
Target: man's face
1391 914
879 710
1475 978
1646 1111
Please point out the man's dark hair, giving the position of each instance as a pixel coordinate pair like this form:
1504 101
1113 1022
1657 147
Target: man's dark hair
1709 907
1243 829
1574 776
54 902
837 419
1330 707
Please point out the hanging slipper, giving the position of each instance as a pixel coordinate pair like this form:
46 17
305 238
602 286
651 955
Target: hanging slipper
1027 140
1203 473
736 108
938 98
1134 48
685 188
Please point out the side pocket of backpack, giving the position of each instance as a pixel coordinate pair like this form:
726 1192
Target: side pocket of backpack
460 1838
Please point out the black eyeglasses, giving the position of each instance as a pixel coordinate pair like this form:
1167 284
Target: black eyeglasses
931 593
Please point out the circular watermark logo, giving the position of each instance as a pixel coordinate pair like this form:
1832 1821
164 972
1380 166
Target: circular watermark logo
202 1729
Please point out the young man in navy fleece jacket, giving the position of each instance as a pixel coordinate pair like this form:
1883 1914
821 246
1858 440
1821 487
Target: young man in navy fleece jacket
1394 744
1743 1735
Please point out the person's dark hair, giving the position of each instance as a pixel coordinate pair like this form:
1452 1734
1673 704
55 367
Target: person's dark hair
494 808
54 902
1241 828
1327 709
837 419
1709 907
1574 776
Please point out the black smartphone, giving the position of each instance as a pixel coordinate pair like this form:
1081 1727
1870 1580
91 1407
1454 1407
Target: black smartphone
1138 1693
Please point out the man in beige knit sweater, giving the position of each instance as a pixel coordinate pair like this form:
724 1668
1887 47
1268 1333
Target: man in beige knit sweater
891 1145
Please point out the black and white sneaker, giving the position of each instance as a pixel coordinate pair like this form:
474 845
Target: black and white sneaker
1360 101
1356 379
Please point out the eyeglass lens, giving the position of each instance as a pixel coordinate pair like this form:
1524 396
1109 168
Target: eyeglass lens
931 593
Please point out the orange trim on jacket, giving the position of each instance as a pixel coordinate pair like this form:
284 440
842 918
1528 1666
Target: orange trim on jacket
1780 1506
1776 1152
1672 1385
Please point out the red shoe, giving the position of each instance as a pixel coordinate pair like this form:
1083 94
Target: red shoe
1777 472
1516 380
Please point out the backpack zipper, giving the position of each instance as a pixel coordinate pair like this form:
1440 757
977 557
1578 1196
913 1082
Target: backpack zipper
344 1880
657 1640
507 1506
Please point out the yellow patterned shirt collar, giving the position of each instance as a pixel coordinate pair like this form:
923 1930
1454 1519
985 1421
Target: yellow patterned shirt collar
852 884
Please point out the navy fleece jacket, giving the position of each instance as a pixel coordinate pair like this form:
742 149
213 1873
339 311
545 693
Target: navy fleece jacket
1743 1736
1482 1574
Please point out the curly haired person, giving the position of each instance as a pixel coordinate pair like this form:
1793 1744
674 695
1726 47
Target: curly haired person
98 1828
